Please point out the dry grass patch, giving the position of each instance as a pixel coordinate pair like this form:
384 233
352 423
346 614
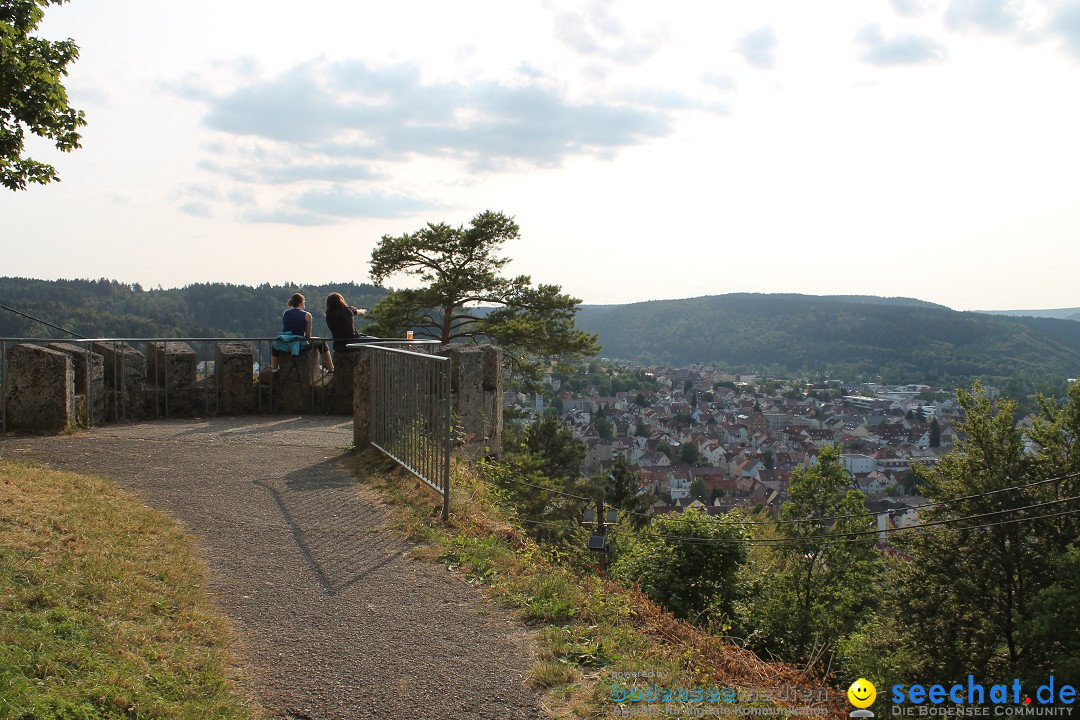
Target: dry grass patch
103 612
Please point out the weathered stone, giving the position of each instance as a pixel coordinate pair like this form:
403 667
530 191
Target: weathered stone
125 378
340 390
84 393
173 364
362 400
292 384
233 369
41 389
173 367
476 384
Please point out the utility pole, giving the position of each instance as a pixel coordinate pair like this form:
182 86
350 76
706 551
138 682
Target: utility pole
599 542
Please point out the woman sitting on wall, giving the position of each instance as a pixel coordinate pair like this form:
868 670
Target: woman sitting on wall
340 318
295 335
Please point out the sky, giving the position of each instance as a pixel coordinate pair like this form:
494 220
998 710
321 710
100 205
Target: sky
917 148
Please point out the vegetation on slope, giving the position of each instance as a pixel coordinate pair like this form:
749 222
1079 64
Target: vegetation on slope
897 340
589 630
106 308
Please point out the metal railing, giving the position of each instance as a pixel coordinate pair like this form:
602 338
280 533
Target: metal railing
411 412
128 385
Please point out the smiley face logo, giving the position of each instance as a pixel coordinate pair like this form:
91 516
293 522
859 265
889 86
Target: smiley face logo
862 693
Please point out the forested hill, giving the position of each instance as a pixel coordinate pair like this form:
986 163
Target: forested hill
901 339
106 308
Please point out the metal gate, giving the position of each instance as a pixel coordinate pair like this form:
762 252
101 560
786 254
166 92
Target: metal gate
411 413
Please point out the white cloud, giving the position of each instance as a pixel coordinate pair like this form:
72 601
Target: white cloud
759 48
1066 25
992 16
595 30
900 49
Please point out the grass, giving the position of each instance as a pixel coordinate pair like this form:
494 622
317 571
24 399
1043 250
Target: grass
103 612
588 630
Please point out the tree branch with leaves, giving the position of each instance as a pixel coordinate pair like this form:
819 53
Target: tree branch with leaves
467 299
32 96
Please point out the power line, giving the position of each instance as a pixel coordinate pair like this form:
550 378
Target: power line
846 538
863 533
550 490
43 322
866 514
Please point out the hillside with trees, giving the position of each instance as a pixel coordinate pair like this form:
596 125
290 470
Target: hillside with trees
897 339
107 308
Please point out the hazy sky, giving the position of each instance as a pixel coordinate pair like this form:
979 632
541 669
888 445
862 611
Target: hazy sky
648 150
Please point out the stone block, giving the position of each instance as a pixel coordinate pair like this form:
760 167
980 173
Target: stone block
173 369
340 390
41 389
173 364
292 383
476 385
234 370
362 400
86 394
125 381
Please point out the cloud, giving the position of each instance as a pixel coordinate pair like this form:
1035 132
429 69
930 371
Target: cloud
329 206
282 172
327 134
902 49
285 216
759 47
991 16
908 8
196 209
721 82
345 203
595 31
339 115
1066 25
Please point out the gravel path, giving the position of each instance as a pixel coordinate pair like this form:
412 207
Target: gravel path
335 622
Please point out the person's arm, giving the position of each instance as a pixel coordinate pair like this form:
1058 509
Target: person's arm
308 333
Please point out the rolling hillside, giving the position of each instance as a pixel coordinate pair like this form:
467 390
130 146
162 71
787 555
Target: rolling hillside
900 339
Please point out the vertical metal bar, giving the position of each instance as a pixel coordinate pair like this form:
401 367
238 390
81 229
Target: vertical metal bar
89 386
157 359
116 400
446 439
3 384
271 376
206 376
123 381
165 376
370 349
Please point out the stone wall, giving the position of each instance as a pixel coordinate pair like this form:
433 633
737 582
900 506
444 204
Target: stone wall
233 368
174 368
293 383
476 389
49 388
476 384
89 398
125 381
41 389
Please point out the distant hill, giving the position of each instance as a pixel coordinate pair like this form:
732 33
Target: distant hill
900 339
107 308
1059 313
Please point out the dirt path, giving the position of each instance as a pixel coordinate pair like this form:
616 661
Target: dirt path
335 623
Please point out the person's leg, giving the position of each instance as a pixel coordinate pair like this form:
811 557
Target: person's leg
327 361
273 360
